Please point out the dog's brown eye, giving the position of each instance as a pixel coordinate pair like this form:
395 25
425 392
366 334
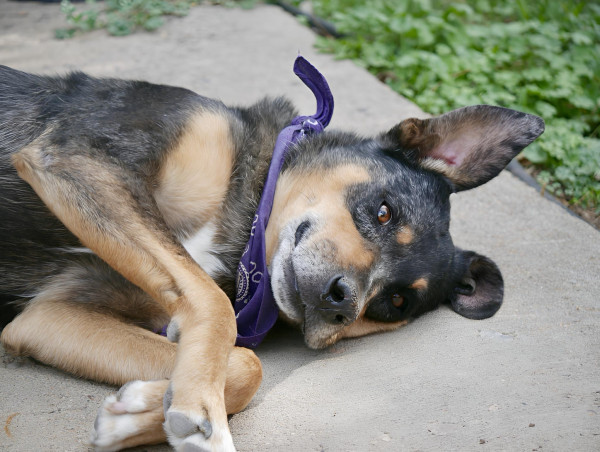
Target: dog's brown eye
385 214
397 300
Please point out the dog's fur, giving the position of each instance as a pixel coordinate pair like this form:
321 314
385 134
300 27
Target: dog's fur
126 205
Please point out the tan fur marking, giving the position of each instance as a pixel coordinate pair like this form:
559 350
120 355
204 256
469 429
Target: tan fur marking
244 375
405 235
419 284
195 175
88 344
322 193
362 327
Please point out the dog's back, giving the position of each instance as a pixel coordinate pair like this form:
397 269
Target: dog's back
20 121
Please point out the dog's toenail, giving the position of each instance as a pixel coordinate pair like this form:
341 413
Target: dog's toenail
97 422
168 399
173 331
206 428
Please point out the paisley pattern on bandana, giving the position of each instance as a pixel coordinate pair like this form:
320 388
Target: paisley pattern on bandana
255 307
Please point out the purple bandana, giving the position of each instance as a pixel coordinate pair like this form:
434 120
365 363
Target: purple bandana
255 307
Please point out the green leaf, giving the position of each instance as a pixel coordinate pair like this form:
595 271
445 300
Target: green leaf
545 109
153 23
583 102
535 154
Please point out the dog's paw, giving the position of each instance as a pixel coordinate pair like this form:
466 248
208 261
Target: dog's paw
132 416
193 432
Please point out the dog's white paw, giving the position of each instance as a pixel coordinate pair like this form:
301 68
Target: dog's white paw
134 410
189 432
193 432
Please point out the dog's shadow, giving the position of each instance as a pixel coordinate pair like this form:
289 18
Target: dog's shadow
283 352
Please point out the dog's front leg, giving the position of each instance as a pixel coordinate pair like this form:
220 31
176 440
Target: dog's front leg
112 212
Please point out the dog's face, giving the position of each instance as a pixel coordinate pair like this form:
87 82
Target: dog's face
359 241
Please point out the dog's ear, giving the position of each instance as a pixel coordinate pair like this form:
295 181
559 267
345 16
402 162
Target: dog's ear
479 289
469 146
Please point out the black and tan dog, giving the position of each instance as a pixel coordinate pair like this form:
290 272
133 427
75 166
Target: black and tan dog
125 205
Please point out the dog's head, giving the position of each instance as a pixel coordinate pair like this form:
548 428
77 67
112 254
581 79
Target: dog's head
359 239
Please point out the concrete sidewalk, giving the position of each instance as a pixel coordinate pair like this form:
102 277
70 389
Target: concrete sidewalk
526 379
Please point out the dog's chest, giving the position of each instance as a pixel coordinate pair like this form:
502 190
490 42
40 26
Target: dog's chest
202 247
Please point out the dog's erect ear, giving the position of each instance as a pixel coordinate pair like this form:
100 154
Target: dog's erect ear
479 292
469 146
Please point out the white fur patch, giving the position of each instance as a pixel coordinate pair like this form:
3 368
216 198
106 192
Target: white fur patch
125 415
110 429
202 249
133 396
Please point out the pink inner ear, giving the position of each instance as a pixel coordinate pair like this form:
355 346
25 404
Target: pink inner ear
454 151
449 153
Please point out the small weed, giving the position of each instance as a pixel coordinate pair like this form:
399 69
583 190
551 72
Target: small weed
120 17
123 17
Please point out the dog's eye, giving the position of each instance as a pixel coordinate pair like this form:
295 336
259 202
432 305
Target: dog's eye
391 305
384 215
397 300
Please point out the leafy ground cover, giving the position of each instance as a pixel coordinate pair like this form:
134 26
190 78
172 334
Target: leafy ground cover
119 17
123 17
542 57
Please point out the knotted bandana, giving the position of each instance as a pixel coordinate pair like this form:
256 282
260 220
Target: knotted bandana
255 307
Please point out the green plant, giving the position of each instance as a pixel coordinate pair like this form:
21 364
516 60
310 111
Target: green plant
541 57
123 17
120 17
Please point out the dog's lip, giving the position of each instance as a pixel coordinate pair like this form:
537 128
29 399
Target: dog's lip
294 280
293 289
301 230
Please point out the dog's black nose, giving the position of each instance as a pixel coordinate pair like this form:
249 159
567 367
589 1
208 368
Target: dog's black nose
338 301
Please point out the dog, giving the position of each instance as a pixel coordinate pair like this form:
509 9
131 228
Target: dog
126 206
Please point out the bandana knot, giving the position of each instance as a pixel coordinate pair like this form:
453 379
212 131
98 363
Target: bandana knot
309 125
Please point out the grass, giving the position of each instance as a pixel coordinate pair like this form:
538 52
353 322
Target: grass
540 57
